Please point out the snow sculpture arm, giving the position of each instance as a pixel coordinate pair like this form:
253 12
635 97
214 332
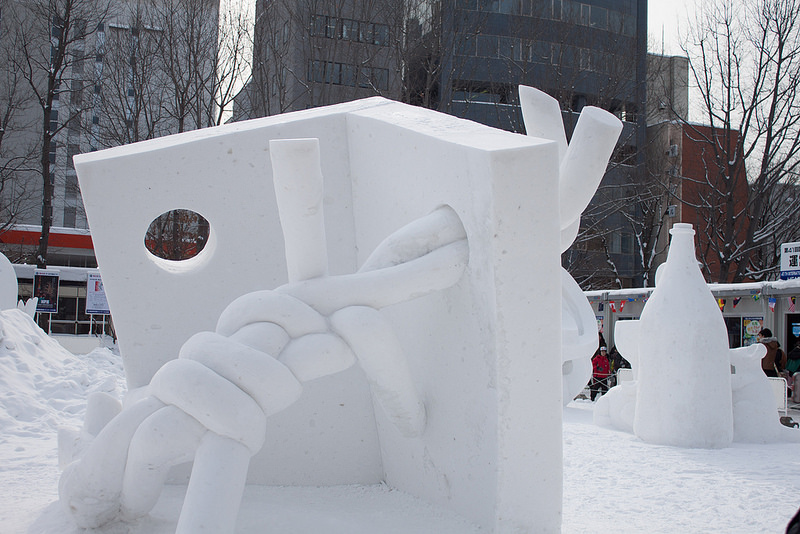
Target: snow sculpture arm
582 164
212 403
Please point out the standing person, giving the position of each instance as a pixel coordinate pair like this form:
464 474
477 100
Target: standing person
600 372
616 362
775 360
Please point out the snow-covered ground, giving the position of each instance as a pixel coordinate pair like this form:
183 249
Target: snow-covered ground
613 482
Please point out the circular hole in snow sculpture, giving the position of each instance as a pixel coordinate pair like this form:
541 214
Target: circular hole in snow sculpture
177 235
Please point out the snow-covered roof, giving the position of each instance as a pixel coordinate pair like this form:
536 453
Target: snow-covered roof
774 287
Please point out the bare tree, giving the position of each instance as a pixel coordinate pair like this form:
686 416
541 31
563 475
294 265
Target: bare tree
744 59
18 147
187 54
53 40
232 58
133 101
177 235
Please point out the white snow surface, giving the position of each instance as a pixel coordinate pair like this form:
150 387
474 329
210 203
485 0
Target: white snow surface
613 481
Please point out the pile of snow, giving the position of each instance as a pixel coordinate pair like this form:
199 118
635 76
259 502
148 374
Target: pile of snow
43 385
613 481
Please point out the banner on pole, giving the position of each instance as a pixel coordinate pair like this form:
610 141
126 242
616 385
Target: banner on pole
45 288
96 303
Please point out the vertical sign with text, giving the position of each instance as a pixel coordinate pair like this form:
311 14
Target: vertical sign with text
45 288
96 303
790 260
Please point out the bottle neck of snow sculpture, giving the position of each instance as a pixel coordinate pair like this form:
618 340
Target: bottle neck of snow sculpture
681 260
682 312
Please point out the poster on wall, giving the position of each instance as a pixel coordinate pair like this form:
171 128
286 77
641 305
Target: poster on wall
45 288
96 303
751 326
600 320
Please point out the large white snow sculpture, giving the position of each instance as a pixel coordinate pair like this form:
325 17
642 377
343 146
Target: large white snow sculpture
582 165
683 376
211 404
482 353
689 388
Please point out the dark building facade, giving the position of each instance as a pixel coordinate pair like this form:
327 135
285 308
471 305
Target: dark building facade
311 53
467 58
582 53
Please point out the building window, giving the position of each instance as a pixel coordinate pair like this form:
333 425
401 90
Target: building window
506 48
556 10
318 25
350 30
330 27
487 46
53 120
380 79
585 14
73 149
621 243
541 52
571 11
599 18
381 35
70 193
628 25
465 45
555 54
74 125
502 6
345 74
348 75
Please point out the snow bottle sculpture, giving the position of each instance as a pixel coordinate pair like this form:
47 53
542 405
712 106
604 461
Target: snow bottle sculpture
684 393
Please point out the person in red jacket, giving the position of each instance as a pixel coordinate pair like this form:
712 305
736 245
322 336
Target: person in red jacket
601 369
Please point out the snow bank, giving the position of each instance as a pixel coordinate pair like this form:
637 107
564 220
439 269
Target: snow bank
43 385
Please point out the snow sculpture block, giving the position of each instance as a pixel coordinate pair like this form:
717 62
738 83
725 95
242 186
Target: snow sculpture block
480 353
438 316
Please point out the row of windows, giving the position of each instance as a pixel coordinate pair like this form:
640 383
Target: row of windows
550 9
567 10
350 30
349 75
532 51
